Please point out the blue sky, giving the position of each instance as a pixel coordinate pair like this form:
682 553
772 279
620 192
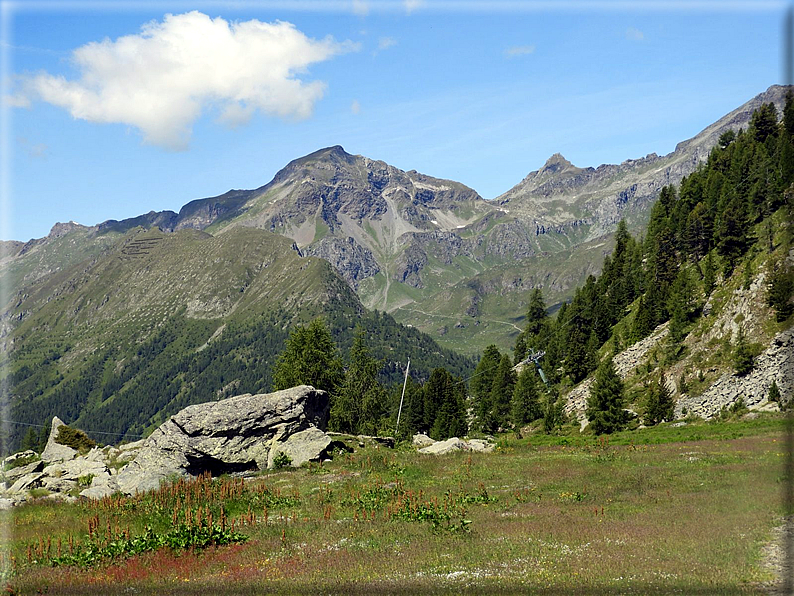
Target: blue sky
98 127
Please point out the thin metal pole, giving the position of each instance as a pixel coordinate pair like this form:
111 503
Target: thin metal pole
400 411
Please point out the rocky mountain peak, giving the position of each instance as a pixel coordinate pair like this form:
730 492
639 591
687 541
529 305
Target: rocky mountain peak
61 229
556 163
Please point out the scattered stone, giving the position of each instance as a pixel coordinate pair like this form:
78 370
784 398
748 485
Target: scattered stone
443 447
308 445
27 482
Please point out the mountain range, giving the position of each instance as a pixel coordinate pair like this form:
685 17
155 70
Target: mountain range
431 252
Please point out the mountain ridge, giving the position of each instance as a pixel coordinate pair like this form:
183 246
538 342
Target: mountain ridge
403 238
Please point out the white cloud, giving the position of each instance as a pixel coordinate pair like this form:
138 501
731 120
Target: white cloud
355 107
514 51
634 34
16 101
384 43
412 5
161 80
360 8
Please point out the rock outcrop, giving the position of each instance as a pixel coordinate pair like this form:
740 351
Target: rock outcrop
55 452
232 435
90 475
776 364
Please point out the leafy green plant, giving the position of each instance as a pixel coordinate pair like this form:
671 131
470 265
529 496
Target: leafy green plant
85 481
281 460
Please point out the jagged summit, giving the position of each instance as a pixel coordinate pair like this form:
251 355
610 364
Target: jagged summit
556 162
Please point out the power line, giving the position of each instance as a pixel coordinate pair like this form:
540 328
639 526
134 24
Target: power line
93 432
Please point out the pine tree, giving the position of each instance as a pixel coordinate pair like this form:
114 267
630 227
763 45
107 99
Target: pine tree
605 405
643 323
660 405
481 384
413 409
501 393
310 358
742 356
763 123
536 314
448 397
709 275
525 405
732 230
360 402
780 290
30 440
552 413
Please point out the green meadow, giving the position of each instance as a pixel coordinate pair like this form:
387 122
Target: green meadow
663 510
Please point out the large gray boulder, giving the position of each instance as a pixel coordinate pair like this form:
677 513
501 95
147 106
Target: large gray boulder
232 435
55 452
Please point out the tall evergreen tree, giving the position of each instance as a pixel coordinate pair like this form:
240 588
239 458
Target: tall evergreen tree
30 440
481 384
732 230
742 355
501 393
780 291
643 322
525 406
660 405
310 358
605 405
709 275
360 402
412 419
448 398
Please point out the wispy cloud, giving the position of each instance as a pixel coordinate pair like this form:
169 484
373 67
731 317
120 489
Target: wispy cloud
384 43
634 34
34 150
355 107
515 51
161 80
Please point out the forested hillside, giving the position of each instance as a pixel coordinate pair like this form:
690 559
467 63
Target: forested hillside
725 225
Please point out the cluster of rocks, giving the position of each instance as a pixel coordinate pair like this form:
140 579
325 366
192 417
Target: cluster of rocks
238 434
775 364
61 472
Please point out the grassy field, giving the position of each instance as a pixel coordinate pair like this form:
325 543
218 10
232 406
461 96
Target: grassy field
664 510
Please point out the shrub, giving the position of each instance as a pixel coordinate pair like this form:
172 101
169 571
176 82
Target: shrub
75 438
281 460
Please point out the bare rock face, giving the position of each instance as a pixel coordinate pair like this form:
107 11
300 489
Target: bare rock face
232 435
55 452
